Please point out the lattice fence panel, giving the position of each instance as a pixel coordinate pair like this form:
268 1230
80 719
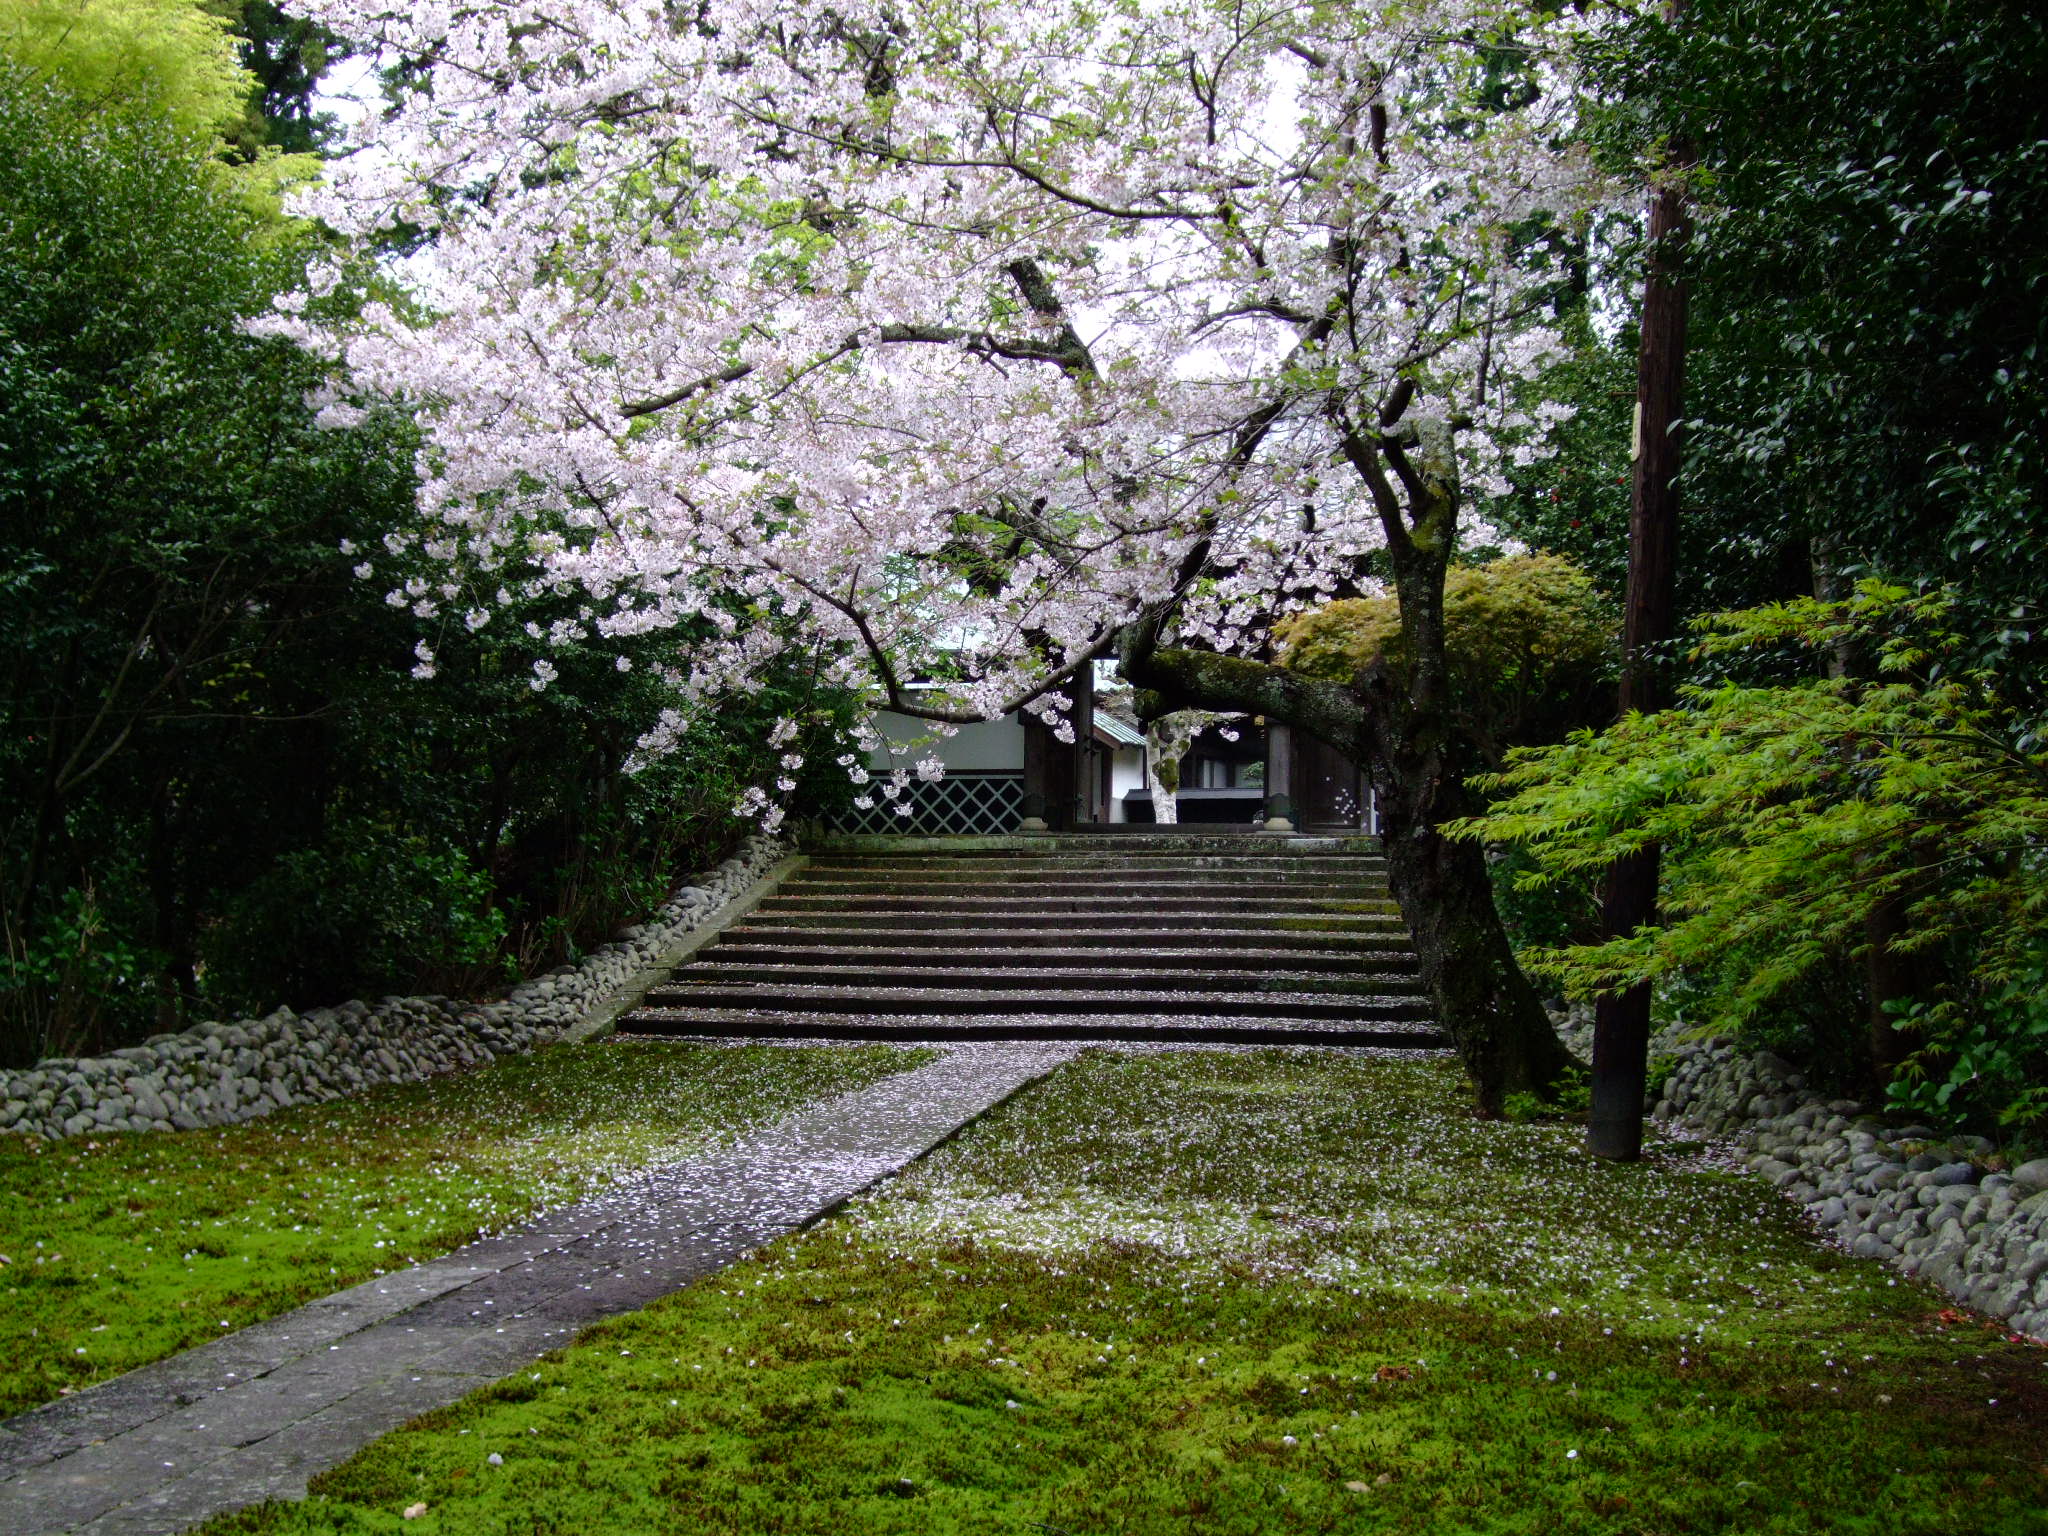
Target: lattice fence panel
960 804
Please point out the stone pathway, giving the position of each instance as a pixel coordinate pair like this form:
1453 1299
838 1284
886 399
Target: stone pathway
253 1415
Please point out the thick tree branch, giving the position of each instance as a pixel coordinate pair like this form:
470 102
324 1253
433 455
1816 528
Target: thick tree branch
662 402
900 702
1184 679
1068 353
894 691
1007 163
1364 457
1037 290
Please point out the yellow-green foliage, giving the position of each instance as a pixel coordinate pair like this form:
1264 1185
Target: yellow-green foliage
1528 639
169 59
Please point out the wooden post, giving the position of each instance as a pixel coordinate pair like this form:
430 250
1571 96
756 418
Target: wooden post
1279 777
1036 739
1081 796
1056 772
1621 1022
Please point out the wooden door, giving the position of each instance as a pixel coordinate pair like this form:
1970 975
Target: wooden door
1329 790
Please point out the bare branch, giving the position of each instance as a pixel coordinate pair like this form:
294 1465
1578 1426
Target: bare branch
893 691
1364 457
655 403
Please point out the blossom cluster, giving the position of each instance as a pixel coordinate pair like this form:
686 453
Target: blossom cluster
963 334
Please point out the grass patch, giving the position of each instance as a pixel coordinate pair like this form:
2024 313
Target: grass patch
123 1249
1251 1292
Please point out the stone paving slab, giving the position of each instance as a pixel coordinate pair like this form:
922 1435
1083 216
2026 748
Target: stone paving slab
253 1415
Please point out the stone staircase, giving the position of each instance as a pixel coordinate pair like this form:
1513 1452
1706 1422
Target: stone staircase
1144 936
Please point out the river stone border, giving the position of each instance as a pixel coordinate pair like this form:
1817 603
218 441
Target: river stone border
1934 1206
220 1073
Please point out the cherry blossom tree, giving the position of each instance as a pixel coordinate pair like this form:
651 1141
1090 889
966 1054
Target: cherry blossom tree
989 339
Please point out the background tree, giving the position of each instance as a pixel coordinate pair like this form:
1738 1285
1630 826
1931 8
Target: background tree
285 59
1167 740
1529 645
1057 329
175 63
220 788
1867 326
1794 811
1867 299
1621 1020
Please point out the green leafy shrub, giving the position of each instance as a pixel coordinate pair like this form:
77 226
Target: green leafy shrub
208 719
73 976
367 911
1571 1097
1985 1061
1799 819
1540 914
1530 645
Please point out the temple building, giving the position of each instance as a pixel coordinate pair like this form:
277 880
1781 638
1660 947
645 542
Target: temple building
1015 774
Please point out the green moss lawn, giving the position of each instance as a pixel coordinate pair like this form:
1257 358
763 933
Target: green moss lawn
1253 1292
118 1250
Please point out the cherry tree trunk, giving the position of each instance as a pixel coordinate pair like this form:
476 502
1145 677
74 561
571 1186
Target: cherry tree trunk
1492 1013
1482 1000
1415 760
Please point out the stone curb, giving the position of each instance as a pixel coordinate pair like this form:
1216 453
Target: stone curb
224 1073
623 999
1925 1203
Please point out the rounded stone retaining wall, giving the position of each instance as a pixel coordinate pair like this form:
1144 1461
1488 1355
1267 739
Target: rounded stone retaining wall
216 1074
1936 1206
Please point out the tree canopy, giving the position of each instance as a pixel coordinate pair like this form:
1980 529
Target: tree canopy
1868 299
1109 308
984 340
1529 641
173 63
220 788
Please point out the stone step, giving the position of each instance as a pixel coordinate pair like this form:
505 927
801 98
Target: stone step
1388 940
1349 961
1210 936
724 1024
1237 890
1118 842
1033 976
790 997
1149 920
1028 879
1332 866
1162 903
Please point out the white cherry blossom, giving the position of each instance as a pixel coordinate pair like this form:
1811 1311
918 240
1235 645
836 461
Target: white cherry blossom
953 335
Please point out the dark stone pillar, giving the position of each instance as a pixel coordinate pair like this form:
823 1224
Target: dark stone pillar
1279 777
1036 739
1055 771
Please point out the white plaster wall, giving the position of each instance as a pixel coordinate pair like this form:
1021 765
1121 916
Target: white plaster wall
987 744
1126 773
